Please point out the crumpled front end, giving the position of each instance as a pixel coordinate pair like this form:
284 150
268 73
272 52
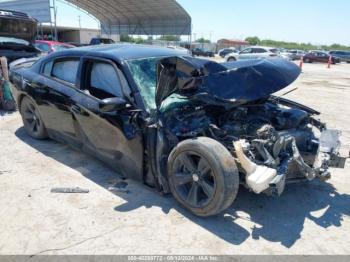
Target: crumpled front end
284 162
275 141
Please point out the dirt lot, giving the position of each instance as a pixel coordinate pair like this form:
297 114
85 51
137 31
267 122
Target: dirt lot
310 218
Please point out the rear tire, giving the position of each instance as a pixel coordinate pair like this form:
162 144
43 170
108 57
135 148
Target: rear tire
32 121
307 60
203 176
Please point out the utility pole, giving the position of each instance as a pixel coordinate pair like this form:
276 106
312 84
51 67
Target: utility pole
79 19
55 17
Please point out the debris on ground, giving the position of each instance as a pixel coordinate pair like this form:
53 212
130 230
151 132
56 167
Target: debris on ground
69 190
120 186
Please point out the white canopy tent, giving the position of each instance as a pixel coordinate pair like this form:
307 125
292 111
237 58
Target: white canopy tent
138 17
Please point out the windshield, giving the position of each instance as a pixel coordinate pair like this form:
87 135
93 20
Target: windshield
144 72
13 40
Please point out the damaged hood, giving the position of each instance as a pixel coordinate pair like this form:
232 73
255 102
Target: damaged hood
236 82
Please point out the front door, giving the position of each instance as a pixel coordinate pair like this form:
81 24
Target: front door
246 54
111 136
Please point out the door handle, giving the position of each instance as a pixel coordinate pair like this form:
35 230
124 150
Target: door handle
76 109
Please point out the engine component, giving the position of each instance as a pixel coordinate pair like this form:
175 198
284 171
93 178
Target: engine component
258 177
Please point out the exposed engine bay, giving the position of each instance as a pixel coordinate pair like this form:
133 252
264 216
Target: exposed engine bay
272 142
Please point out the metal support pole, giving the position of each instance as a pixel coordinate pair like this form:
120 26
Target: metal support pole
55 17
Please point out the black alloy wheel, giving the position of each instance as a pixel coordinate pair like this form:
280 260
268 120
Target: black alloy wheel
193 179
32 121
203 176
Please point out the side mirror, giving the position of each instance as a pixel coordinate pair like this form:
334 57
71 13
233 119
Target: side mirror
113 104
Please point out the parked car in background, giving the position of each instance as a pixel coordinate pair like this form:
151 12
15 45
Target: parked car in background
296 54
202 52
285 54
76 44
255 52
17 35
185 51
191 127
51 46
101 41
224 52
320 57
344 56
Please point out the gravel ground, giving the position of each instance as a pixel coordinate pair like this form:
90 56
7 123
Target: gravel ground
310 218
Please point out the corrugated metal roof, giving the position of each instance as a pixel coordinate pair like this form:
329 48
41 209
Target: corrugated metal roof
142 17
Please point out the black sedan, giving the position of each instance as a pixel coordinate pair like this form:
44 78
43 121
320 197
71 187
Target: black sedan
186 126
202 52
224 52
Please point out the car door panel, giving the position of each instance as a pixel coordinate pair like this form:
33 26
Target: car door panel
110 136
53 101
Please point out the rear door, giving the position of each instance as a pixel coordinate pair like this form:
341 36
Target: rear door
57 83
111 136
259 53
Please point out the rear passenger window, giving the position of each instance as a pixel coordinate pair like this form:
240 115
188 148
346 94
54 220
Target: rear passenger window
66 70
259 50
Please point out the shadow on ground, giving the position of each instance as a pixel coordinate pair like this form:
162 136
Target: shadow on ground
4 113
274 219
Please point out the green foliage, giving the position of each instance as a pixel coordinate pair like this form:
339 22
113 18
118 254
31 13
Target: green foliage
139 40
293 45
170 38
130 39
126 38
203 41
253 40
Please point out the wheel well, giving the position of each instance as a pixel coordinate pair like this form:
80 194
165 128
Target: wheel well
19 101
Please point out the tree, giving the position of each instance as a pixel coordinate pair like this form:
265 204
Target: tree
253 40
126 38
170 38
139 40
203 41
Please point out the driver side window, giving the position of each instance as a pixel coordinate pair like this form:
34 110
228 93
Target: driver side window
246 51
103 80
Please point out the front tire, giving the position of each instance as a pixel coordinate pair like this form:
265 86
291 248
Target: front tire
203 176
231 59
32 121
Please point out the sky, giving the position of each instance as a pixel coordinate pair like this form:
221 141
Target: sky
314 21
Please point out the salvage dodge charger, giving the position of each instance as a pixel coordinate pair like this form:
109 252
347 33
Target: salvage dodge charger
193 128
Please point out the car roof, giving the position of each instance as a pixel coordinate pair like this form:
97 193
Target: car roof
51 42
265 47
122 52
